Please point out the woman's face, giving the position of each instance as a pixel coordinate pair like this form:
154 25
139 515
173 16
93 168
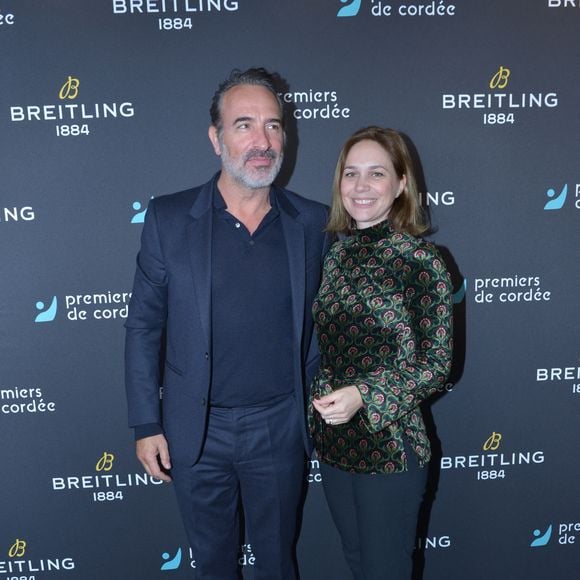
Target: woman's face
369 184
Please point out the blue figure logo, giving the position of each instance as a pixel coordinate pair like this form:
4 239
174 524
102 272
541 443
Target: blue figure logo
139 217
350 9
556 202
460 294
46 314
172 564
541 539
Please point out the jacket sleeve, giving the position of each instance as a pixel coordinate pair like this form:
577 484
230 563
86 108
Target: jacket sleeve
391 392
145 327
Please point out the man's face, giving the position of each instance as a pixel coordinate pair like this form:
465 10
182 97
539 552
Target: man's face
251 140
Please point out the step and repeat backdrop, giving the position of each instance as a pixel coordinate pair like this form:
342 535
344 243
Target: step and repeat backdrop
104 105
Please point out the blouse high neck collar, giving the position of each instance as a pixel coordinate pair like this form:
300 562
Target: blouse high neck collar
374 233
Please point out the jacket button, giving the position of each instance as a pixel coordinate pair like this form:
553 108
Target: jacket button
203 402
206 356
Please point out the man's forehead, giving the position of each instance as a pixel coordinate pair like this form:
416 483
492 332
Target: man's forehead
249 97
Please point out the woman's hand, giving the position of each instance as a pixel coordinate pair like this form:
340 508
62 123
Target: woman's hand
339 406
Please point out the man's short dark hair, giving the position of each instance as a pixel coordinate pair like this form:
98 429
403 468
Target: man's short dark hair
253 76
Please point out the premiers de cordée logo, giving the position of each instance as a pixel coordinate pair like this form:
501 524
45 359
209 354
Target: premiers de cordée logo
7 19
557 197
316 103
514 288
566 534
25 400
107 305
436 8
72 117
246 557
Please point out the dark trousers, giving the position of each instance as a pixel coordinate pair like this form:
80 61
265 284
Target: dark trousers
376 517
253 456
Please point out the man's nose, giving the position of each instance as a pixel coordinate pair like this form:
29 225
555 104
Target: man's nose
262 139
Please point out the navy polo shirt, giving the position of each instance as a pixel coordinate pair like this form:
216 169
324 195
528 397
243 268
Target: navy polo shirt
251 310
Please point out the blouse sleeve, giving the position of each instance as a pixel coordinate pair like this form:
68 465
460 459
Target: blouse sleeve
391 392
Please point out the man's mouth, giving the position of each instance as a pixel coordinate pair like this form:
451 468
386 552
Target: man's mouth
260 157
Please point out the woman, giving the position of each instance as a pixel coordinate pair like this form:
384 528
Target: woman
383 318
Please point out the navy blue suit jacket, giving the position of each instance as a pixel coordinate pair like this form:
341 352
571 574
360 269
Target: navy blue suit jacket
168 339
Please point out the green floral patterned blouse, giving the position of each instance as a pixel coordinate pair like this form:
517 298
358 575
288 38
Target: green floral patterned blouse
383 316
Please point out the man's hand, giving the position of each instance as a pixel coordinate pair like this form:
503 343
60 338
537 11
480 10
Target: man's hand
339 407
153 453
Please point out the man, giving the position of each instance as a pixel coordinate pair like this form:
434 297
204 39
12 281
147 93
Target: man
225 280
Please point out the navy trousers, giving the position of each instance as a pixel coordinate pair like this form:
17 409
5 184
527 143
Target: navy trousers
253 457
376 517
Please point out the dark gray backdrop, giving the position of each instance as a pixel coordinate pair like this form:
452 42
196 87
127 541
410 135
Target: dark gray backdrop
505 433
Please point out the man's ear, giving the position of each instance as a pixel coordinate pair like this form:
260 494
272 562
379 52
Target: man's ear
213 137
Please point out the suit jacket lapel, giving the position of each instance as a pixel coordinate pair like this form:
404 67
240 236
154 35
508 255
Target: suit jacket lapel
199 233
295 247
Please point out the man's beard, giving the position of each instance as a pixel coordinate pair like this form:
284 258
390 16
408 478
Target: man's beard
255 178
